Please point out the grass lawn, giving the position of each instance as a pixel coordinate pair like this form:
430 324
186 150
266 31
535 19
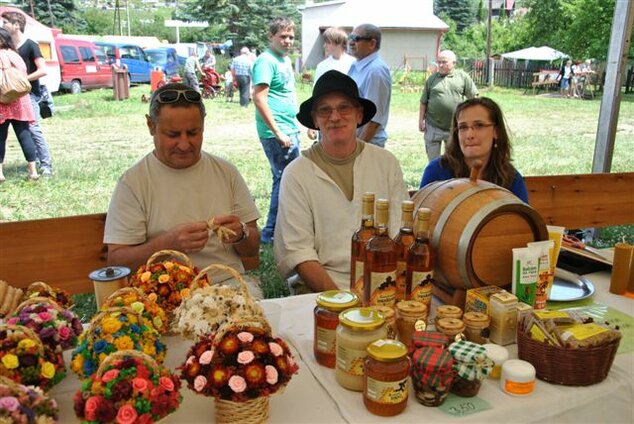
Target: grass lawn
94 139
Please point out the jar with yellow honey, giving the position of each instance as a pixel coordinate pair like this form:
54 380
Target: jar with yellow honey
408 314
385 389
326 316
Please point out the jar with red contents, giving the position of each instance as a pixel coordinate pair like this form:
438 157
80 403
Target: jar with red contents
326 315
385 388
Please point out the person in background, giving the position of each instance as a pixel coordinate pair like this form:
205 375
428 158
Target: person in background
321 191
335 43
18 113
478 133
373 79
566 73
242 67
276 105
167 198
228 85
29 50
443 91
192 69
208 59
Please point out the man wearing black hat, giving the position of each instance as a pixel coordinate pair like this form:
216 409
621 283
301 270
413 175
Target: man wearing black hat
321 191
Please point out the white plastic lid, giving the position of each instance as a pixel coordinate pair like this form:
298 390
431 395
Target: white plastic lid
496 353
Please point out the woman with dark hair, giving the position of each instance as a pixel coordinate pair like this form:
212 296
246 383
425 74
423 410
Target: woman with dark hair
478 134
18 113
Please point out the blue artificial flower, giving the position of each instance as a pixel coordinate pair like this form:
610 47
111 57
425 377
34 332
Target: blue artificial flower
99 346
89 367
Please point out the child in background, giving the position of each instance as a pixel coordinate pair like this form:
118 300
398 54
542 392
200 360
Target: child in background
228 85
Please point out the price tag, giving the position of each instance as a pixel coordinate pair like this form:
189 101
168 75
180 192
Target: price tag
459 407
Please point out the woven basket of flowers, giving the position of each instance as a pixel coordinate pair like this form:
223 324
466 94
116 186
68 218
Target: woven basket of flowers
26 360
10 297
41 289
166 282
129 387
22 404
241 365
137 300
210 306
112 330
58 328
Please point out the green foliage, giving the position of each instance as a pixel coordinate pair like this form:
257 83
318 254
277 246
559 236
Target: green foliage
462 12
61 14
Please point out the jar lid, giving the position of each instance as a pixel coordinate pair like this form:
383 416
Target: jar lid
432 366
387 350
361 319
470 360
496 353
450 310
450 324
388 312
337 300
476 318
411 307
109 273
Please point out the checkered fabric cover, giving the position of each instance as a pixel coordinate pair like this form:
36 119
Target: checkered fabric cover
470 360
433 366
421 339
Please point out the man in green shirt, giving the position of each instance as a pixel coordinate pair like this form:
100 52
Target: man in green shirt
444 91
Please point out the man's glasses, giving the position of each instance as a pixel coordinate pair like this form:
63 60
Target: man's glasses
355 38
173 95
343 110
477 127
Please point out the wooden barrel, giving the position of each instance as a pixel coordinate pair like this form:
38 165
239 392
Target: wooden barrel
473 227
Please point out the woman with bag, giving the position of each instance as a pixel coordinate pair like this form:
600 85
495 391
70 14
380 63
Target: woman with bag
18 113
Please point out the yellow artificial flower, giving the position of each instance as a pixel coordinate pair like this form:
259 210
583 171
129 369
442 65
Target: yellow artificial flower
163 278
10 361
152 297
138 307
124 343
102 357
77 364
26 344
48 370
158 322
185 293
129 299
168 265
110 325
149 349
145 277
187 269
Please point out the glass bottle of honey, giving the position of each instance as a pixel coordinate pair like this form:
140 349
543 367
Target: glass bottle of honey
420 262
379 274
404 240
359 240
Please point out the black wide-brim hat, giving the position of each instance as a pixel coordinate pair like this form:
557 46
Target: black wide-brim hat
331 82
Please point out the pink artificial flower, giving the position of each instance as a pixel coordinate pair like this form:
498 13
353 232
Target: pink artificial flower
127 414
64 333
205 358
291 361
276 349
237 384
140 384
245 357
200 382
12 321
245 337
271 374
190 360
45 316
110 375
166 383
9 403
90 407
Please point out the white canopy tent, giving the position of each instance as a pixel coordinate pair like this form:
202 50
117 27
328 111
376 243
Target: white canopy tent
543 53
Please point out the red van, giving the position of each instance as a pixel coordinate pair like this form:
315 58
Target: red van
83 65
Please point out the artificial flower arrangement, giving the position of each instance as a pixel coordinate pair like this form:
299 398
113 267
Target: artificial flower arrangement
242 364
129 387
138 301
25 360
41 289
112 330
58 328
166 282
208 307
20 404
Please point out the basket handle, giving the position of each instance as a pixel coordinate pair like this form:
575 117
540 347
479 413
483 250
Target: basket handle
120 354
252 321
26 331
122 292
36 285
10 383
229 270
38 299
173 253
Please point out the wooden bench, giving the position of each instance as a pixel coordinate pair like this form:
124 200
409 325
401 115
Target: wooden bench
58 251
544 79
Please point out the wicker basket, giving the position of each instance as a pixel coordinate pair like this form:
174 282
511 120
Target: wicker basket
571 367
254 411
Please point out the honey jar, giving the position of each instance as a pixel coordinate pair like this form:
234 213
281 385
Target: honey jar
408 313
476 327
385 388
421 339
448 311
450 327
326 317
390 319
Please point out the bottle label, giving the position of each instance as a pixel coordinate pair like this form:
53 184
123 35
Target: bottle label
358 275
383 288
387 392
326 340
422 287
401 270
350 361
519 388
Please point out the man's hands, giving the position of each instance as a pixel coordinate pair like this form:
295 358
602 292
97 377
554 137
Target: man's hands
230 222
283 139
190 237
421 125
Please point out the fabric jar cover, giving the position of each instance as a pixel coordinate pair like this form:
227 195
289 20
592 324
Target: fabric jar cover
470 360
433 366
422 339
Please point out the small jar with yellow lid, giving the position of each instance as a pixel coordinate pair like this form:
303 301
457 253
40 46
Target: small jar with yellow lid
385 389
450 327
408 314
390 319
476 327
326 316
358 327
448 311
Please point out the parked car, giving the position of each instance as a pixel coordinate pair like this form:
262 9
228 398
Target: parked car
83 65
164 58
130 55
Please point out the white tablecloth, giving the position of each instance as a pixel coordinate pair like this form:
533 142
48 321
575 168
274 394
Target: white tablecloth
313 396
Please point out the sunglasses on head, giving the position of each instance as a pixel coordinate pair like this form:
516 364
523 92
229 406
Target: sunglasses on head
173 95
355 38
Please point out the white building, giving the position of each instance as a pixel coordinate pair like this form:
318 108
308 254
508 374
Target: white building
409 28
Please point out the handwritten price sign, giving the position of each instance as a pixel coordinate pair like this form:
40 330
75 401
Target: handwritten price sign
459 406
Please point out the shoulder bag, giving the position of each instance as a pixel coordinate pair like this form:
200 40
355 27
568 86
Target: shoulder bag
13 85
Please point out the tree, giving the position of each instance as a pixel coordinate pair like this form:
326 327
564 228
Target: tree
462 12
61 14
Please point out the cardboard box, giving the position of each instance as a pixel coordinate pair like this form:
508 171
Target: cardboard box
478 298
